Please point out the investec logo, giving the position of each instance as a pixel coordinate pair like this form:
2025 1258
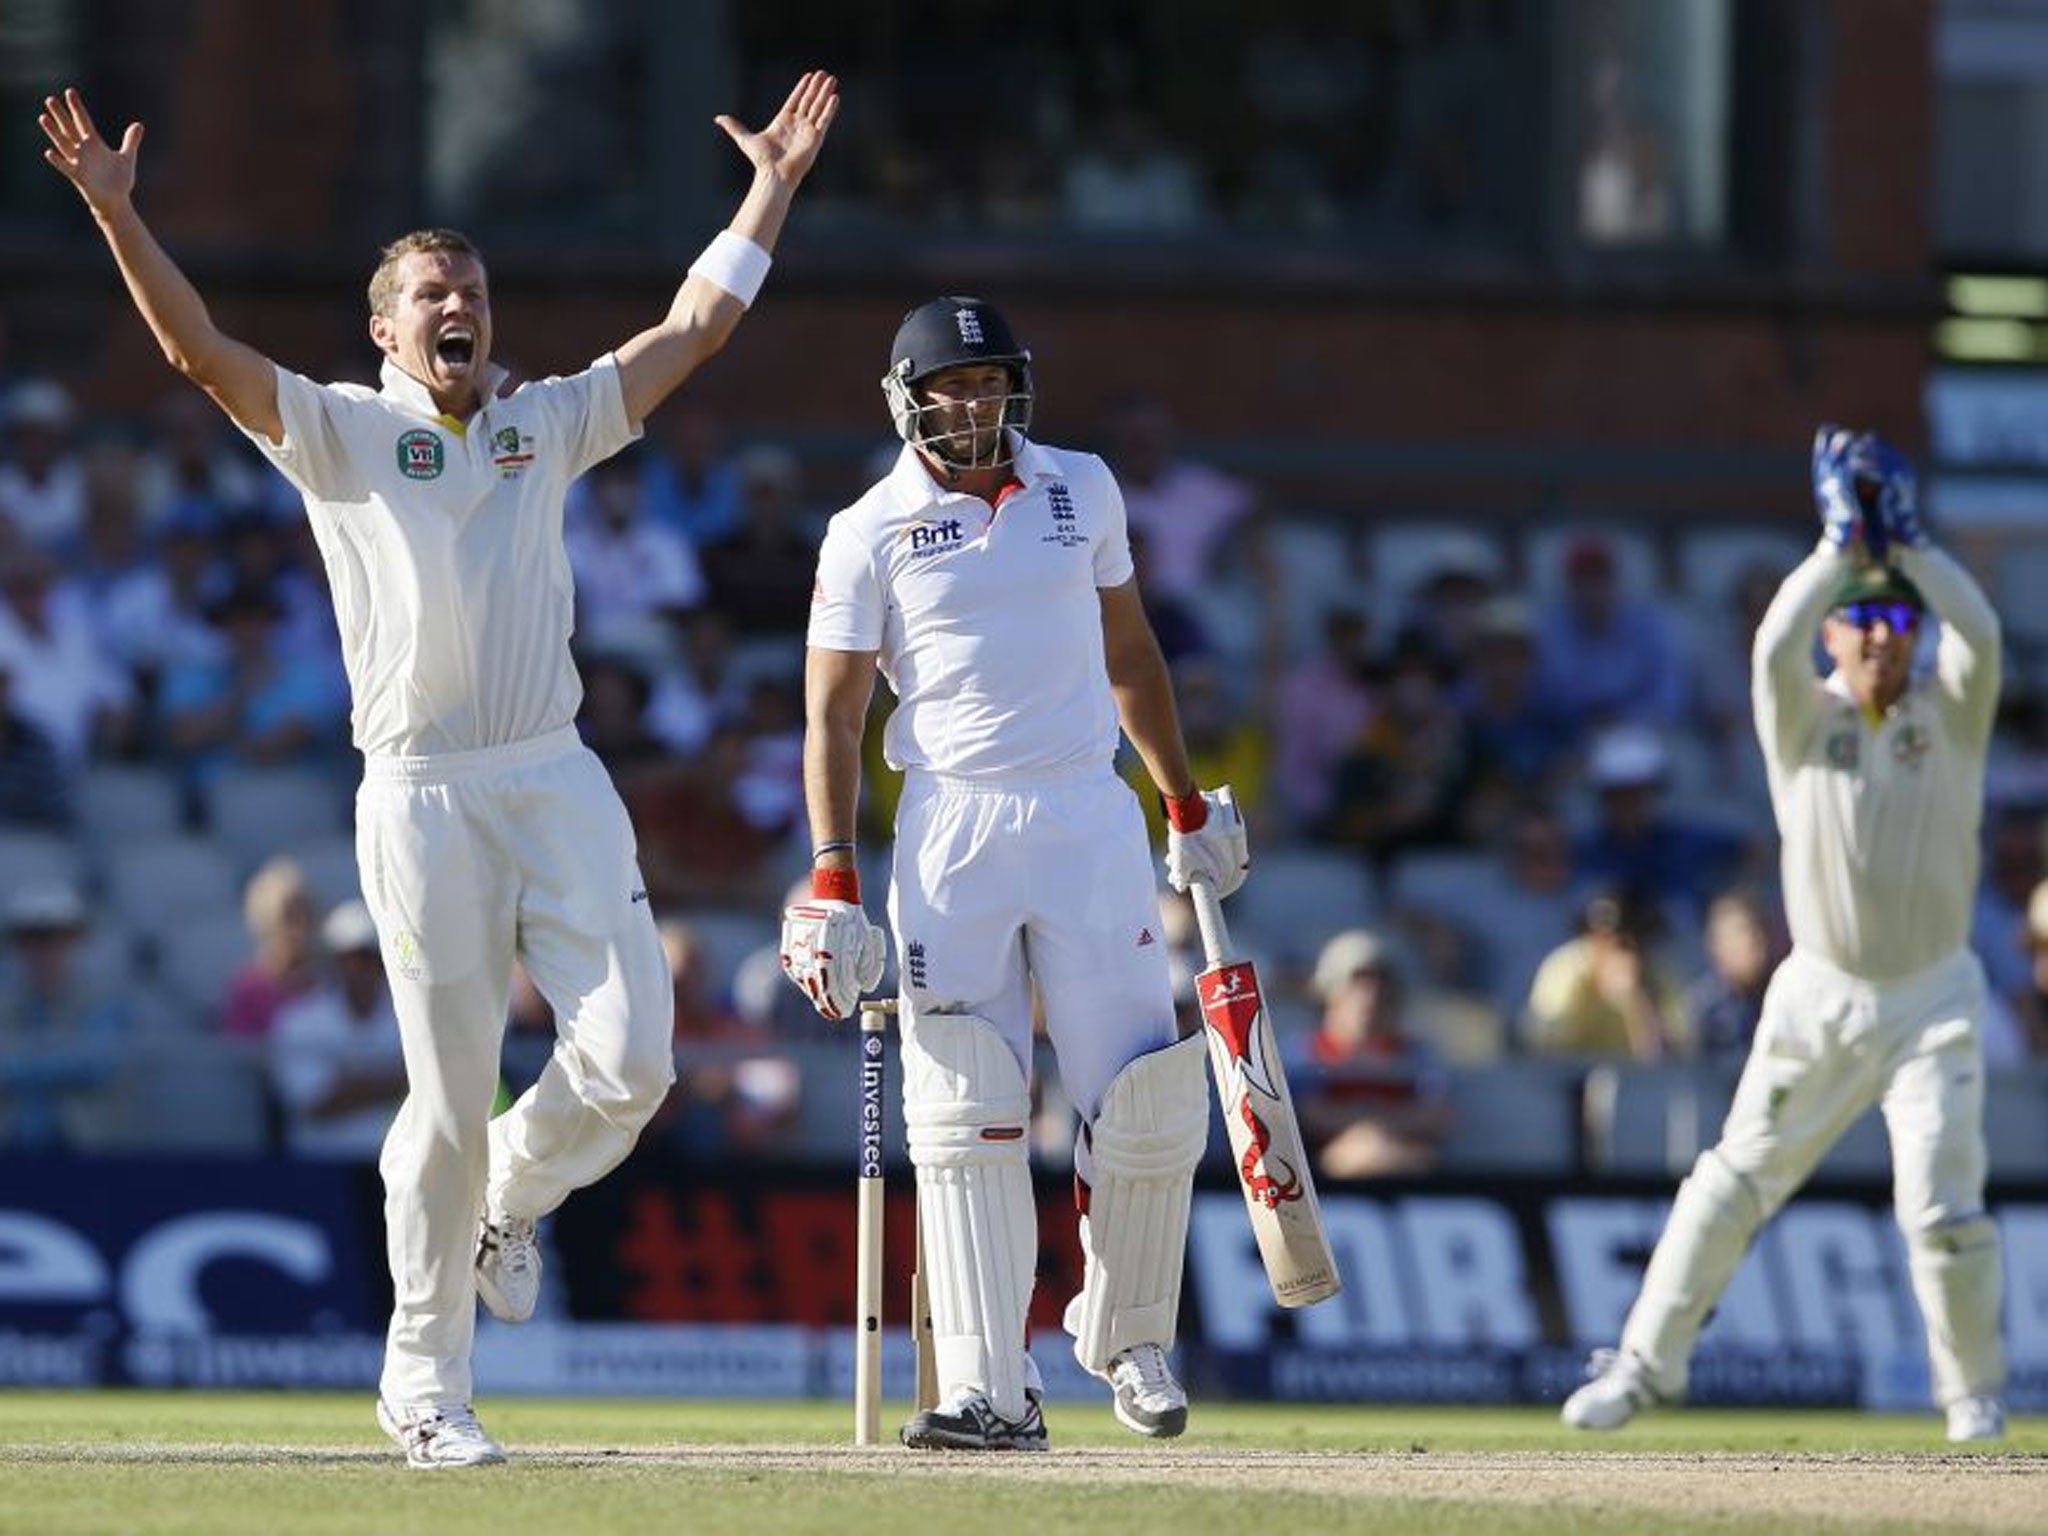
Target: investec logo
933 538
871 1107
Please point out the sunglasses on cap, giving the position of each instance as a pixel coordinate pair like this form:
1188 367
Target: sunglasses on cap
1898 616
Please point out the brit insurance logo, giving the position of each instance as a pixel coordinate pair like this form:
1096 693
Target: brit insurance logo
420 454
933 538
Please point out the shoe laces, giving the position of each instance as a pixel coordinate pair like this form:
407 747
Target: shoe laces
1147 1362
515 1242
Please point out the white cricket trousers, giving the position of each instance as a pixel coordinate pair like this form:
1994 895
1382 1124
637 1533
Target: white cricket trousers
1828 1046
1001 881
468 860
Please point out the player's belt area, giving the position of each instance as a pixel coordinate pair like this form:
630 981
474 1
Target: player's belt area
1011 782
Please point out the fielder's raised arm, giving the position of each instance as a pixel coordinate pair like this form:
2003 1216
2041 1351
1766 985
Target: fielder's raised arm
723 281
241 380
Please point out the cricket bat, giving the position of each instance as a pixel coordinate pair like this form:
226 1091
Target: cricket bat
1258 1111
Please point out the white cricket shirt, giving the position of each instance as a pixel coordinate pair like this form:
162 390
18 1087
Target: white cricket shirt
1878 819
987 621
443 547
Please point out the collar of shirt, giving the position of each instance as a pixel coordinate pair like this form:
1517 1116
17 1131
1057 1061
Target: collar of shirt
914 488
402 388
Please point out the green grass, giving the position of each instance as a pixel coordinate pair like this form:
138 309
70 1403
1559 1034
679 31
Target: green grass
142 1464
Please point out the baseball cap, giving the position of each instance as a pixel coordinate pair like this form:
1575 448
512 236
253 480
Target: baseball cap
348 929
1625 757
1348 953
1876 584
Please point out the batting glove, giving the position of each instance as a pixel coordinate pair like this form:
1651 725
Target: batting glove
829 948
1206 840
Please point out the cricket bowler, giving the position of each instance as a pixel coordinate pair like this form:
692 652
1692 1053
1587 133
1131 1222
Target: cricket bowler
485 830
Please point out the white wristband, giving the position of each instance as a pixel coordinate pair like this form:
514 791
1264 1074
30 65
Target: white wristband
734 263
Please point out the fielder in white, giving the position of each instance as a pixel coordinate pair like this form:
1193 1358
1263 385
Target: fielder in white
1877 778
484 829
990 578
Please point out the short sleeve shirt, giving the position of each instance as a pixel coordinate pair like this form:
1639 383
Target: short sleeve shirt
443 547
987 620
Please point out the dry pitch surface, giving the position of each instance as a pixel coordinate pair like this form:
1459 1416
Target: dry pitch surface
224 1465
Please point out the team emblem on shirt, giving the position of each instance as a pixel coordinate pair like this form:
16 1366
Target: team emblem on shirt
914 955
1066 527
1909 747
1844 751
510 453
420 454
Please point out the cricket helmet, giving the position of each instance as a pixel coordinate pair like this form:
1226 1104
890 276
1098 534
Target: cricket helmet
955 332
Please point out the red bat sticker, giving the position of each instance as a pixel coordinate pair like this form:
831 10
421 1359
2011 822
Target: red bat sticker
1231 1006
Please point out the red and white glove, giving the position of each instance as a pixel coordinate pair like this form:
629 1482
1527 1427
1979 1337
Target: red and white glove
1206 840
829 948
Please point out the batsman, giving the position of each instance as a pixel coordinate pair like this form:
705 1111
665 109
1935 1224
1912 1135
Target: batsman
1877 780
990 579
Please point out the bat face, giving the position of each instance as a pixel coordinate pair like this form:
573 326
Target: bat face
1232 1009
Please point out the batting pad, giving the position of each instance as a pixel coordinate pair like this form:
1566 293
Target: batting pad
968 1111
1145 1144
1712 1221
1957 1282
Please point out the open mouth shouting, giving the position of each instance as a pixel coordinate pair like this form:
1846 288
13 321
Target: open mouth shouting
455 348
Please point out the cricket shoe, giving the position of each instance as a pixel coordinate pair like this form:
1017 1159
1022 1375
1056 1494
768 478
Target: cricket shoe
1976 1418
1148 1400
434 1438
971 1423
508 1268
1619 1389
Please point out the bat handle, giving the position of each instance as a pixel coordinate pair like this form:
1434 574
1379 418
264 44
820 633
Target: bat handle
1209 918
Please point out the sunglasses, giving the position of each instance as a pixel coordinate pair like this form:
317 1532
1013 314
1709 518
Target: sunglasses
1898 616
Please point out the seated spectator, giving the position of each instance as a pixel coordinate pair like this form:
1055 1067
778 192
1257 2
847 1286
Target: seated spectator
1532 910
1402 783
1604 658
34 791
690 699
42 482
1373 1100
197 466
1324 705
1186 511
264 552
109 547
65 683
61 1031
2013 867
1518 746
695 486
1636 845
154 618
698 843
1127 180
1604 993
1441 1004
256 707
1722 1007
760 575
613 719
727 1098
277 906
335 1058
628 567
1449 602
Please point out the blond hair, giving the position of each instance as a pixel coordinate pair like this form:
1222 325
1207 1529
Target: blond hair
271 890
384 284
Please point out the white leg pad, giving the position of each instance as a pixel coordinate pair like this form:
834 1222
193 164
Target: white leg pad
1712 1221
1957 1282
968 1111
1143 1148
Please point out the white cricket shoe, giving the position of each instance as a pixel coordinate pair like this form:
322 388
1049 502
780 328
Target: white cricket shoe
1976 1418
434 1438
1148 1400
508 1268
1619 1389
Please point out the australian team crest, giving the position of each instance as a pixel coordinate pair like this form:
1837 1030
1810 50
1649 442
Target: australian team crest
1910 745
511 452
1844 751
421 455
